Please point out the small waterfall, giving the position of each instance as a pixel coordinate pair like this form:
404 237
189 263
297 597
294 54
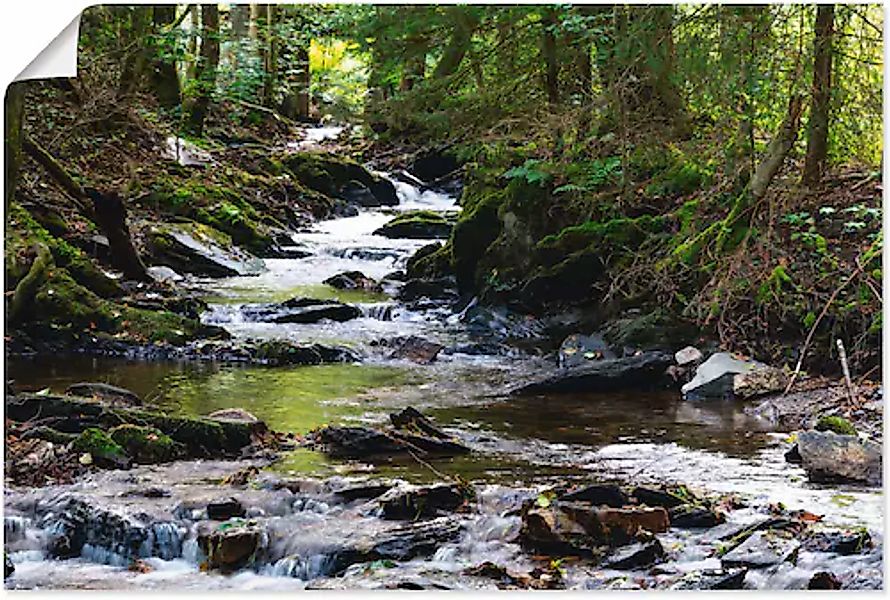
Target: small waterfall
165 540
15 528
307 504
381 311
305 569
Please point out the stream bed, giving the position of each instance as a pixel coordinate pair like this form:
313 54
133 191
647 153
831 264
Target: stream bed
519 447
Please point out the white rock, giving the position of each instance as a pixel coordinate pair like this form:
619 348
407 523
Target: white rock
688 355
714 377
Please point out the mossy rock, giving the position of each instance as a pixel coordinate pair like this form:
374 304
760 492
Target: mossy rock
336 176
418 225
476 229
193 247
649 330
159 326
839 425
63 303
432 261
103 449
146 445
607 236
23 232
568 281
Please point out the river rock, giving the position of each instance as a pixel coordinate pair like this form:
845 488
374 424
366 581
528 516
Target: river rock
842 542
417 225
695 517
763 549
646 370
367 443
397 544
598 495
635 556
224 509
433 289
713 579
231 547
824 580
688 356
433 164
717 376
164 274
664 496
8 567
80 521
302 310
109 394
831 458
236 415
415 349
201 250
578 349
353 280
576 527
413 502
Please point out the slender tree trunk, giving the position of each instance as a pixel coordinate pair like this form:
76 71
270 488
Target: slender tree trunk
136 55
465 23
110 214
271 64
549 23
205 71
256 15
778 148
414 69
194 26
817 127
164 78
14 111
240 20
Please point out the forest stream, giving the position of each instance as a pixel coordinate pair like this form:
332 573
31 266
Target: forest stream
519 447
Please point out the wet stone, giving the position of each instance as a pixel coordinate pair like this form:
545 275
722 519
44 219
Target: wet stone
429 501
636 556
104 393
231 547
302 310
841 542
763 549
694 517
657 497
824 580
831 458
599 495
578 349
414 348
713 579
353 280
225 509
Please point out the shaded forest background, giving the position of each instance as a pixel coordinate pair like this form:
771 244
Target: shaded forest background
712 166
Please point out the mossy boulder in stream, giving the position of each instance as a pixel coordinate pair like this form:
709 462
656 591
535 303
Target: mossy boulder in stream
145 445
196 248
417 225
105 452
430 262
340 177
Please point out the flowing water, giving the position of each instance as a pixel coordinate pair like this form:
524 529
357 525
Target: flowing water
520 445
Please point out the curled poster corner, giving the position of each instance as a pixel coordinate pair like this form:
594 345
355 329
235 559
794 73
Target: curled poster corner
58 59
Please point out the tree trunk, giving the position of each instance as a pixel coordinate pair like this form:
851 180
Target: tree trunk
240 20
465 23
778 148
256 13
271 65
164 78
111 216
817 127
414 69
194 26
14 111
205 71
550 22
136 55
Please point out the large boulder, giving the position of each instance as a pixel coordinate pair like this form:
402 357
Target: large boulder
340 177
418 225
302 310
145 445
432 289
724 376
643 371
831 458
562 527
201 250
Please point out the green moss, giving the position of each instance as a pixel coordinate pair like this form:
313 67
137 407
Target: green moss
157 326
476 229
62 302
604 237
771 289
836 424
327 173
431 262
100 446
23 232
146 445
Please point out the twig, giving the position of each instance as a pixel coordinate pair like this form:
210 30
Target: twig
846 368
429 466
